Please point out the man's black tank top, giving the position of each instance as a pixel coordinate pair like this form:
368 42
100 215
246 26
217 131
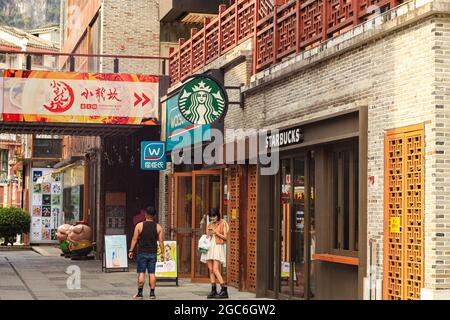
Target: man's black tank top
148 238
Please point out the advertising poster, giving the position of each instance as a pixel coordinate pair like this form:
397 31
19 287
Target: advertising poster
116 255
45 205
70 97
168 267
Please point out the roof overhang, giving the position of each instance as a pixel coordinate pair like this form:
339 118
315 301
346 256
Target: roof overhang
176 10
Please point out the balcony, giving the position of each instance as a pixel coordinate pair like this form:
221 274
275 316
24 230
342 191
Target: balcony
278 28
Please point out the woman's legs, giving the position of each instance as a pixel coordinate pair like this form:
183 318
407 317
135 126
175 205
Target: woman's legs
212 276
216 269
213 280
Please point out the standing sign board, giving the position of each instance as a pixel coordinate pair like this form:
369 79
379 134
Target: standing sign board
167 269
115 256
46 205
153 155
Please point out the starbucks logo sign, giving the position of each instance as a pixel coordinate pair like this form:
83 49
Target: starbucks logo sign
202 100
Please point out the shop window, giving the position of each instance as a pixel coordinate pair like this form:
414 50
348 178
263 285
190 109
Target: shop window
344 198
3 166
47 148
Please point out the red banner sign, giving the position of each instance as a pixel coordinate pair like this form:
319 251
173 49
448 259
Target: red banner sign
67 97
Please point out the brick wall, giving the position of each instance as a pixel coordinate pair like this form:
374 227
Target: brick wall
135 24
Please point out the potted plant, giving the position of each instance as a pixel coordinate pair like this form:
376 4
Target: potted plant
13 221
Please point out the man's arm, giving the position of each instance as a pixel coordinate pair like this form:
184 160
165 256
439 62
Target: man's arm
134 240
161 241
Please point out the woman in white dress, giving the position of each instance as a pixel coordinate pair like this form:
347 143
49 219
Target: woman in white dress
217 230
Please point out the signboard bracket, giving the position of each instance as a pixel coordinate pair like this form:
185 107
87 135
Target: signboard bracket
241 101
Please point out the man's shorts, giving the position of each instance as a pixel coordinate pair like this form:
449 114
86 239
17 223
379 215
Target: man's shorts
146 261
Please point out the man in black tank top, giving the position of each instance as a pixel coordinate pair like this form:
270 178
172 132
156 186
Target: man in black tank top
147 234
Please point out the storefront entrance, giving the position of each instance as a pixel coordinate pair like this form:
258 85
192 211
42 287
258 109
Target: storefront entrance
195 193
292 227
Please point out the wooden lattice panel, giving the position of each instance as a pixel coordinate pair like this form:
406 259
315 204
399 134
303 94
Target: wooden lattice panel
246 19
228 33
212 41
198 42
403 245
340 14
414 215
265 8
264 44
251 228
233 214
311 27
185 60
287 28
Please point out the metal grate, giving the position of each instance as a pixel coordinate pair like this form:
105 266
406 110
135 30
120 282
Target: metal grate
404 203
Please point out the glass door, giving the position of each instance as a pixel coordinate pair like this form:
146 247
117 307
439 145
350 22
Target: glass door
295 225
207 195
183 222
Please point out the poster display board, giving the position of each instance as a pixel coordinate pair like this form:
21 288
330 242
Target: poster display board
115 256
167 270
45 205
72 97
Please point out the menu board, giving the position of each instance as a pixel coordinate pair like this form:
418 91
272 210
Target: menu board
46 205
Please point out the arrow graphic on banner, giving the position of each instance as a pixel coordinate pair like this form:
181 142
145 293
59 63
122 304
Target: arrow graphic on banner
144 99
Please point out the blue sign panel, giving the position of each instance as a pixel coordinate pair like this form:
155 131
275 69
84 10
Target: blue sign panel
153 155
181 133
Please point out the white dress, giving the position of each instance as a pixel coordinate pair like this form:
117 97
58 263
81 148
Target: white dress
216 252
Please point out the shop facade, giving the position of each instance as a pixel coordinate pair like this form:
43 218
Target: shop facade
357 208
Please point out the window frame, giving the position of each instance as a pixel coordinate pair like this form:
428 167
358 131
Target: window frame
353 184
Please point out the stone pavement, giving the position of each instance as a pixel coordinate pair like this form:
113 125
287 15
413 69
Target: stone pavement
29 275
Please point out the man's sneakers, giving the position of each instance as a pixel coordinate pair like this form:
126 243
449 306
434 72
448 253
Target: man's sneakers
152 295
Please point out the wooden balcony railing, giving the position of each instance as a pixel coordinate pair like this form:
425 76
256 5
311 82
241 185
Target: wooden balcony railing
279 28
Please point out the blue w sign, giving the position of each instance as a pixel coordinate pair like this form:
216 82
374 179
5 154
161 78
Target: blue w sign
153 155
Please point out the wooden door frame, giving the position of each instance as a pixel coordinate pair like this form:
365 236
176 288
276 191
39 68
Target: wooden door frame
175 176
195 174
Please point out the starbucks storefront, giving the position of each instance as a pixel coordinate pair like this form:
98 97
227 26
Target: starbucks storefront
312 213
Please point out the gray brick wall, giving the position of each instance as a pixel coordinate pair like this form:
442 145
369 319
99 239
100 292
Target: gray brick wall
135 24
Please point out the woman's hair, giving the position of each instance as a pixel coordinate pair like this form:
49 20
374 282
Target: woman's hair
208 105
214 212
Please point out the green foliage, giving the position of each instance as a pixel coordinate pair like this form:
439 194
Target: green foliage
10 15
13 221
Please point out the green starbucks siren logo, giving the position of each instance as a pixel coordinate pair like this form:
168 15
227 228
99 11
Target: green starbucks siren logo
202 101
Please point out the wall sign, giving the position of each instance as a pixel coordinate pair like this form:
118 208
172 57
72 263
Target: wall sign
284 138
394 225
203 100
177 127
153 155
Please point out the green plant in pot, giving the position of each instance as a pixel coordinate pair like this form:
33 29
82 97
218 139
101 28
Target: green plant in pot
13 221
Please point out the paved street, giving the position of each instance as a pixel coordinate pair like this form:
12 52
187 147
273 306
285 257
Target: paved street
41 276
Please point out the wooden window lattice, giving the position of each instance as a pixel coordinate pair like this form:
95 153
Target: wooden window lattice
404 199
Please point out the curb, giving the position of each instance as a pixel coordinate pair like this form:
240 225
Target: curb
15 248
